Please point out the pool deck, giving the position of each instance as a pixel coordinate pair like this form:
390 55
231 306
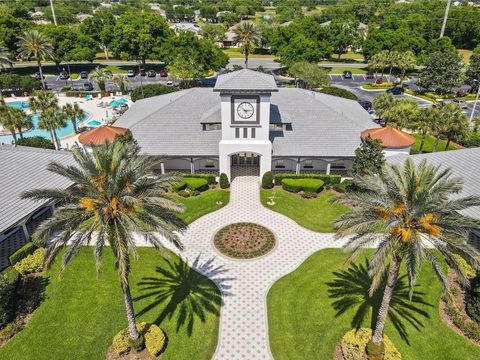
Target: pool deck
89 106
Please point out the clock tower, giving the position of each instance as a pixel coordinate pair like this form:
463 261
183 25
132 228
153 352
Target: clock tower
245 147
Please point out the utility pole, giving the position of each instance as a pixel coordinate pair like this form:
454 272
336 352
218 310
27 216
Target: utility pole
444 25
474 105
53 13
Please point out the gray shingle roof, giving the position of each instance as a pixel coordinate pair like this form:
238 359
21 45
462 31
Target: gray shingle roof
245 79
322 125
24 168
464 163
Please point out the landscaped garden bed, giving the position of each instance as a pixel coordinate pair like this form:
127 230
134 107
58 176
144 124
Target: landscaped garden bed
244 240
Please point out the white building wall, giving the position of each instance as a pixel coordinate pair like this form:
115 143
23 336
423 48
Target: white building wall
390 152
230 147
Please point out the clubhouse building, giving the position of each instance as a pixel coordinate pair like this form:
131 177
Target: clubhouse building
247 125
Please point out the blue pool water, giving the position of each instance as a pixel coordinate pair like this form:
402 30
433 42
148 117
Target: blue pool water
35 131
94 123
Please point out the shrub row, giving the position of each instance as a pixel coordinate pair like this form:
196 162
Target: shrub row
150 90
335 91
343 186
193 184
9 280
21 253
84 93
155 339
32 263
327 179
224 183
469 328
354 343
37 142
306 185
209 177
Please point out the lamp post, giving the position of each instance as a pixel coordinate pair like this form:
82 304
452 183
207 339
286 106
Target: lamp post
475 103
141 80
69 74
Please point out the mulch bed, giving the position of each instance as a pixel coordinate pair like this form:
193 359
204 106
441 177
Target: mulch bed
244 240
132 355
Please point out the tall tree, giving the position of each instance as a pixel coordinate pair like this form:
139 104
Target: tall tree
247 35
21 120
33 44
402 114
383 103
45 105
344 36
405 61
311 76
121 81
74 113
473 70
424 123
407 212
115 194
442 72
6 119
213 33
4 59
369 158
455 123
100 76
101 28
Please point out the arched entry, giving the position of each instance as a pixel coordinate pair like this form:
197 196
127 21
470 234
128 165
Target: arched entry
244 164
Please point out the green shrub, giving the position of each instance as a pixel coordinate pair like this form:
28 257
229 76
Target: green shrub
193 184
151 90
473 300
309 195
209 177
267 180
343 186
467 269
184 193
36 142
155 340
9 280
335 91
32 263
18 83
307 185
354 343
21 253
384 85
224 184
151 337
85 93
327 179
10 330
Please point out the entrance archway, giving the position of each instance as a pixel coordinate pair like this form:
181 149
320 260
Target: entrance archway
244 164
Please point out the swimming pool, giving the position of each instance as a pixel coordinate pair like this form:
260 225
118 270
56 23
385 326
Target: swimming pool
94 123
35 131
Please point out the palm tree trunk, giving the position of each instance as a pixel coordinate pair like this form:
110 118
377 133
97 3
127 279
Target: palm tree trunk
246 59
55 140
14 135
74 123
387 297
422 143
105 50
52 137
435 144
447 144
132 327
20 132
44 87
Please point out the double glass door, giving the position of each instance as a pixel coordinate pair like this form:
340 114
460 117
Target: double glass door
245 159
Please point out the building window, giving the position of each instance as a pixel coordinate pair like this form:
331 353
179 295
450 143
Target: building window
237 133
280 164
245 133
253 133
213 126
276 127
209 163
308 164
337 165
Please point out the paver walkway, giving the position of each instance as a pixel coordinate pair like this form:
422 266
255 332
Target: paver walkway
245 283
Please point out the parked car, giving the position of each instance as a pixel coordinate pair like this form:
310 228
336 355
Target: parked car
369 75
37 76
169 83
163 73
347 74
83 75
379 80
88 86
151 73
142 71
461 103
396 90
461 93
382 123
373 114
366 104
131 73
64 75
397 81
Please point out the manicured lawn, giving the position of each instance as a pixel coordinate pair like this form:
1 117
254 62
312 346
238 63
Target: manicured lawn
466 54
314 214
202 204
81 314
340 70
429 142
303 324
235 53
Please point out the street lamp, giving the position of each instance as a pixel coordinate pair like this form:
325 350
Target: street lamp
475 103
141 80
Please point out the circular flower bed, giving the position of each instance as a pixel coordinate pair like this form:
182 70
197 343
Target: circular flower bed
244 240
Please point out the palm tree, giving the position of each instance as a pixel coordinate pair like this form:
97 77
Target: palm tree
21 120
45 105
408 214
115 194
402 113
74 113
121 81
405 61
455 123
100 75
246 33
383 103
6 119
424 123
33 44
4 60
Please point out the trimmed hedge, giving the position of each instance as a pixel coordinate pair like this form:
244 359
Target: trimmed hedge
32 263
37 142
335 91
327 179
306 185
22 253
209 177
224 183
154 339
343 186
194 184
9 280
267 180
150 90
354 343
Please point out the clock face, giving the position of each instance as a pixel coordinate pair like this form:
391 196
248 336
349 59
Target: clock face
245 110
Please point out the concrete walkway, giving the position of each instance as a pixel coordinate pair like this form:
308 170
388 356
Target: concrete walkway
245 283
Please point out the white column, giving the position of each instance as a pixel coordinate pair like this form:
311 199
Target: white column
297 167
192 166
162 168
328 168
25 231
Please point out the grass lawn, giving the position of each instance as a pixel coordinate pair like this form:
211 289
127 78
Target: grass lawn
235 53
466 54
314 214
340 70
303 324
429 141
202 204
81 314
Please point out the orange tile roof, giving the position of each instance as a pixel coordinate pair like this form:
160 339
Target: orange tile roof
390 137
101 134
